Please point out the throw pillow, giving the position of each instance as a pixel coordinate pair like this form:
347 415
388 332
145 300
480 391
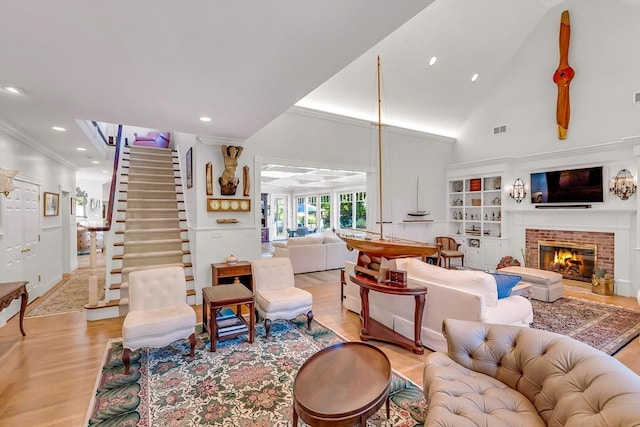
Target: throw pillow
504 283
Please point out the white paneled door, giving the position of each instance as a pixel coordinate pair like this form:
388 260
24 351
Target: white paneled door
21 225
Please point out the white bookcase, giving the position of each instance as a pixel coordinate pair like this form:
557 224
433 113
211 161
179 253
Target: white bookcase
475 218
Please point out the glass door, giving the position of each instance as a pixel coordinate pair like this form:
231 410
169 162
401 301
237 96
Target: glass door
280 203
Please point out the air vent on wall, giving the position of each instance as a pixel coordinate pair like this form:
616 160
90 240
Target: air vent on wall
499 129
636 97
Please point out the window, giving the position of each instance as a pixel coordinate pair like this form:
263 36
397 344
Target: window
325 212
353 210
301 211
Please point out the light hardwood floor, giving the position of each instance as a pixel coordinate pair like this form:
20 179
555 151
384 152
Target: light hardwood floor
47 378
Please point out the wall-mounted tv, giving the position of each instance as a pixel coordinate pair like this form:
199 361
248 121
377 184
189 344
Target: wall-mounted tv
568 186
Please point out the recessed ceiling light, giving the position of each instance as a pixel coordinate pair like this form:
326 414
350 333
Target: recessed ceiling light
474 77
105 171
14 90
58 128
81 149
433 61
95 162
205 119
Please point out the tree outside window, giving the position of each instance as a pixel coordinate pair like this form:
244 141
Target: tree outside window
325 212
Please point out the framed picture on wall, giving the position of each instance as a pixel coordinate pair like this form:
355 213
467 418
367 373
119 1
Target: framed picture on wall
73 206
51 204
189 169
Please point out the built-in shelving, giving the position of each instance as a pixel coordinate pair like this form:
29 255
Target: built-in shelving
475 217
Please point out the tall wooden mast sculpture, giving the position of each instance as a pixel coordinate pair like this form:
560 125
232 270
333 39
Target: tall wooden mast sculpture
562 77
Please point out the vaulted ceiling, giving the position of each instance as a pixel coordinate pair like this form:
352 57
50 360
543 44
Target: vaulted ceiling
164 64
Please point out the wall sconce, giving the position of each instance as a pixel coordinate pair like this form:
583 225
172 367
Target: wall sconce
518 192
623 184
6 180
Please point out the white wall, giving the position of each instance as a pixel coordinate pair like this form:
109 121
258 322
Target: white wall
605 42
315 140
51 176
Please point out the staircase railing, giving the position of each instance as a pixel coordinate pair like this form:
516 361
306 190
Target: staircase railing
112 201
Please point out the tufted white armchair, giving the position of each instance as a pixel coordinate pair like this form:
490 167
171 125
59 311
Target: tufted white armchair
276 294
509 375
158 312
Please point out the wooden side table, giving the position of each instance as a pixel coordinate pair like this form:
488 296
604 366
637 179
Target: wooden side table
372 329
342 385
10 291
216 297
225 273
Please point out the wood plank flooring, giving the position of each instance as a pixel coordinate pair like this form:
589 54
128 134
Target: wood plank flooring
47 377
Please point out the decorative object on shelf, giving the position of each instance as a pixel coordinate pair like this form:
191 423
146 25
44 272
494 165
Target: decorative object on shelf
228 205
231 259
623 184
51 204
457 186
474 243
228 181
497 183
189 167
496 201
6 180
209 178
246 182
563 76
518 192
457 202
601 282
227 221
475 184
476 202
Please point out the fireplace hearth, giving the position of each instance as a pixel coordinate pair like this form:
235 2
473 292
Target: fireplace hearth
574 261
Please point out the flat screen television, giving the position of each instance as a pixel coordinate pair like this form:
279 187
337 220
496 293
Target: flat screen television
568 186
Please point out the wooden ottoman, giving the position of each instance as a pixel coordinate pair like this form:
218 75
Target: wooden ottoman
545 285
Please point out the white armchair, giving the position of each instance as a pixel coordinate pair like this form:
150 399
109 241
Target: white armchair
276 294
158 312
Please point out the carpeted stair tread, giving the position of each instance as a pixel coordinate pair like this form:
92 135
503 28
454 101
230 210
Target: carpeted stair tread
120 270
116 286
151 254
151 242
151 230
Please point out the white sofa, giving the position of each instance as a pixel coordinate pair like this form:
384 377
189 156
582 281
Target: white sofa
457 294
314 252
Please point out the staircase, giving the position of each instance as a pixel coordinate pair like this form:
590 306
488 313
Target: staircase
150 225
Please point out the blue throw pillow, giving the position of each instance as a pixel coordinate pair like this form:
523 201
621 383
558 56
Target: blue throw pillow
505 283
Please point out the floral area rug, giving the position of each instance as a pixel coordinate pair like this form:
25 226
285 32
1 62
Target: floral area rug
71 296
605 327
239 385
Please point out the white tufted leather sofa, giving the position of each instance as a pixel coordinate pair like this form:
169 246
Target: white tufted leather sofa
498 375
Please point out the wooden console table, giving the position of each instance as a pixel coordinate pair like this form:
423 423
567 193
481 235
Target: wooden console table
10 291
372 329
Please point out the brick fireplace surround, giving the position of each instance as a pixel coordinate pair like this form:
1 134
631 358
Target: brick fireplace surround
605 243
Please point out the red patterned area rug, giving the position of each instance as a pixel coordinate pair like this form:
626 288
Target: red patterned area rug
605 327
240 385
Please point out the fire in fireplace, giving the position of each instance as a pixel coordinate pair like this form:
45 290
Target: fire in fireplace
573 261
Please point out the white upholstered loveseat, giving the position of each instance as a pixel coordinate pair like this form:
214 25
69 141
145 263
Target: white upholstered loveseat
314 252
457 294
497 375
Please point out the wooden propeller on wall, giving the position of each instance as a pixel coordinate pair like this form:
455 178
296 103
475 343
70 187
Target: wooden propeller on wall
562 77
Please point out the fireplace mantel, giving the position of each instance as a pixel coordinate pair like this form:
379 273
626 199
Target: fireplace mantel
620 222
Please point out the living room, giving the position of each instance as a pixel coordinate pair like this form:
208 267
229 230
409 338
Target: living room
604 131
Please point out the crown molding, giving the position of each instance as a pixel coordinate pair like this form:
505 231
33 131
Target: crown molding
323 115
219 140
15 133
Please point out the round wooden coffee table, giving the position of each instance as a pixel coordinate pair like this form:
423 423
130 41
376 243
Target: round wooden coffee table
342 385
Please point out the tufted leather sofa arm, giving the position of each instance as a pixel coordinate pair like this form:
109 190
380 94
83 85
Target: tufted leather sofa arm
568 382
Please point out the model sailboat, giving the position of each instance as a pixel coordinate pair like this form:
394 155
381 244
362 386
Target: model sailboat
377 244
418 212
